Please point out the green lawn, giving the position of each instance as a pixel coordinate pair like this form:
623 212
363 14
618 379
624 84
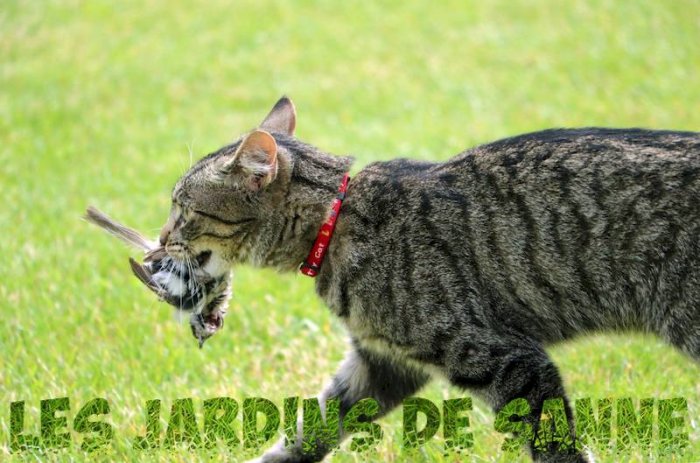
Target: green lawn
107 105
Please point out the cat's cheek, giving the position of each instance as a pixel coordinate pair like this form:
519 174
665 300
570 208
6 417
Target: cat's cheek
216 266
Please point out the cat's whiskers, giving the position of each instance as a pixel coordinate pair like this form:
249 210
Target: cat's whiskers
183 164
169 268
189 148
190 269
182 286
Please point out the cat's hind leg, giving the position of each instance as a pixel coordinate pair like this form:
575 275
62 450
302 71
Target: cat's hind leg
683 330
501 369
677 320
362 374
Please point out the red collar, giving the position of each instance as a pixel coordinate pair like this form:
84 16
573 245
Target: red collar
312 264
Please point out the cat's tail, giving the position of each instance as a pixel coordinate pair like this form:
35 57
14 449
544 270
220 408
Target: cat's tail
124 233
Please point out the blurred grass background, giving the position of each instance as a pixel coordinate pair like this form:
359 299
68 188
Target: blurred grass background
106 103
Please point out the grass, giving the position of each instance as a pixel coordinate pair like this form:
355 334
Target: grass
106 103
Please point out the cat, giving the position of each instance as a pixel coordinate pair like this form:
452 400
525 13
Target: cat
466 269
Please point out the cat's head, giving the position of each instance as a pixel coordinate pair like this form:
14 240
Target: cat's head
221 204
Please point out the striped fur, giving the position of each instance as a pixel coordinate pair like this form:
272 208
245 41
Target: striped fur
469 269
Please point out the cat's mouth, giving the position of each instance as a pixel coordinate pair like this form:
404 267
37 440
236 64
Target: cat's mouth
184 253
202 258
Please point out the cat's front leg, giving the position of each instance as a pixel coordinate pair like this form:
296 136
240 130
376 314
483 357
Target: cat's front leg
502 369
362 374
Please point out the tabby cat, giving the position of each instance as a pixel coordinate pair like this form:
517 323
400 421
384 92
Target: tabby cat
466 269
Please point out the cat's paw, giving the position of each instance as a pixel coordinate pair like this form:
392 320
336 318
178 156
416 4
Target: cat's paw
280 454
276 458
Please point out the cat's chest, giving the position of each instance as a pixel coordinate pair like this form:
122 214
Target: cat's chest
357 301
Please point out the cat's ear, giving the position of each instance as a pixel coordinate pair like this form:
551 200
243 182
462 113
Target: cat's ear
282 118
255 161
